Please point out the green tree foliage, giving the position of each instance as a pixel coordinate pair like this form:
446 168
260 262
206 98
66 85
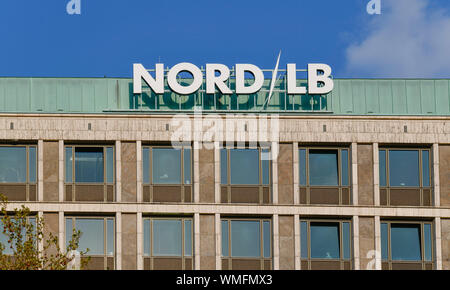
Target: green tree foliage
24 234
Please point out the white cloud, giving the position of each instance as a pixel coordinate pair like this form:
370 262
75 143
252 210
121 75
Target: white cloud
409 39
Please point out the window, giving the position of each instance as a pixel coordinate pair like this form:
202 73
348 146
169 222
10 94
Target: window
325 244
18 171
405 177
168 243
89 173
406 245
324 176
245 175
246 244
4 236
167 174
97 235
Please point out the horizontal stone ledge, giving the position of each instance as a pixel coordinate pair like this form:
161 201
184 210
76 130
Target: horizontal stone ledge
235 209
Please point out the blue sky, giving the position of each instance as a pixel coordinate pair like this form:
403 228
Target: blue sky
411 38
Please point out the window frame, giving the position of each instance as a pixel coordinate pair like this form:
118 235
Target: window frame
344 262
306 188
184 258
387 188
426 265
263 260
186 189
107 186
226 189
105 219
29 186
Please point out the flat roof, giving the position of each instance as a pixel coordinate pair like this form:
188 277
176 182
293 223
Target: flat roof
115 96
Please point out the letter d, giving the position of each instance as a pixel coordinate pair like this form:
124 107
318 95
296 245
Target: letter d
74 7
374 7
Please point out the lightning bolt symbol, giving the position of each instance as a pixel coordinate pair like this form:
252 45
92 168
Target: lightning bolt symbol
274 79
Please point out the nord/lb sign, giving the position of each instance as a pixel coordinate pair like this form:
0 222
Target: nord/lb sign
217 74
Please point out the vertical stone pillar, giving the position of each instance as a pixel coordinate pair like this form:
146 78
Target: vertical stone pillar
51 171
285 175
207 242
287 243
129 241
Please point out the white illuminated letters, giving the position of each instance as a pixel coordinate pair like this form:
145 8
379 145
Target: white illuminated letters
319 79
212 81
241 68
292 81
314 78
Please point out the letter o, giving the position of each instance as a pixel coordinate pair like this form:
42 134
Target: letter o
188 67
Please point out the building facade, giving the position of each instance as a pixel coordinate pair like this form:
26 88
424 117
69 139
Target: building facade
355 179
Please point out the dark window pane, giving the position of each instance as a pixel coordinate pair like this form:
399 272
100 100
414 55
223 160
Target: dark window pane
89 164
146 165
404 167
382 162
166 166
302 166
223 166
265 164
425 168
384 242
324 240
187 237
187 166
166 237
405 242
110 237
427 245
32 164
92 235
244 166
266 239
346 240
68 160
344 166
323 167
225 238
245 239
109 165
69 231
147 237
304 239
13 164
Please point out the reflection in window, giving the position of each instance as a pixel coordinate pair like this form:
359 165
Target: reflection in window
404 241
404 168
324 167
245 166
168 165
89 165
167 237
97 235
325 240
13 164
246 238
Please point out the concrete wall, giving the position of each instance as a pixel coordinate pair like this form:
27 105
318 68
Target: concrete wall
444 174
285 175
365 174
129 241
287 242
207 242
206 178
51 171
129 171
366 241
